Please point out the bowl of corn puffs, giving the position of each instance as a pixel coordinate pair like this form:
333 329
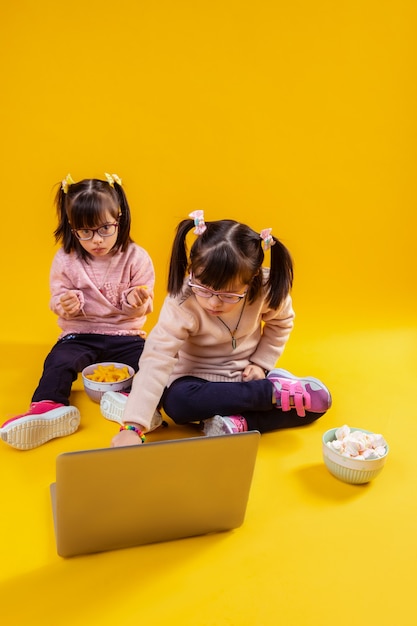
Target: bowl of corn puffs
101 377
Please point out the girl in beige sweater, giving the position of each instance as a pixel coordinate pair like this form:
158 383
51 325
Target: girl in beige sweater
221 329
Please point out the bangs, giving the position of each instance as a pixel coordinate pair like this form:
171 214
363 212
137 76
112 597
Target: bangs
91 210
220 267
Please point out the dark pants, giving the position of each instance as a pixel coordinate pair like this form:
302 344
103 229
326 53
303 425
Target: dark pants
73 353
191 399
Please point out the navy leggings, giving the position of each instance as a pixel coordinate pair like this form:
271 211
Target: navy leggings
71 354
191 399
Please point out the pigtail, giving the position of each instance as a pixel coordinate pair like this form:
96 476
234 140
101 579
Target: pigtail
281 274
124 217
63 230
179 258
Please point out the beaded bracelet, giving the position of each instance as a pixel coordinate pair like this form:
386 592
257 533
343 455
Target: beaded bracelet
136 430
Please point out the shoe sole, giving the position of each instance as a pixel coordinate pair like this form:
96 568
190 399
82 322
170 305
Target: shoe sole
216 426
113 411
280 373
34 431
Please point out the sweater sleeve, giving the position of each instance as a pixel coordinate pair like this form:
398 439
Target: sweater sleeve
142 274
158 360
277 326
60 282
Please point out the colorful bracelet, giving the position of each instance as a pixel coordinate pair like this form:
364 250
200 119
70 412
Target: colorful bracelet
136 430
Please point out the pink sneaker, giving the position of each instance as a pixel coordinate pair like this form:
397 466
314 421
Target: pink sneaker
300 393
227 425
45 420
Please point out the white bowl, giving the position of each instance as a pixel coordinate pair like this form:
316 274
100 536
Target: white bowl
347 469
95 390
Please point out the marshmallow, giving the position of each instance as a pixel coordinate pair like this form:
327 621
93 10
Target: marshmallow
357 444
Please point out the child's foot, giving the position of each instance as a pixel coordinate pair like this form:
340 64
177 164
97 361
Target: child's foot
300 393
45 420
113 404
228 425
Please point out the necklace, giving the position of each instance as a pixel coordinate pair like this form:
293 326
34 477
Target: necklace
232 334
100 284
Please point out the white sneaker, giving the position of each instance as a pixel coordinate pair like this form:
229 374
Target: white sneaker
112 406
224 425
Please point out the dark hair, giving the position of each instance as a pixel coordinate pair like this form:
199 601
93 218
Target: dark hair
225 251
84 206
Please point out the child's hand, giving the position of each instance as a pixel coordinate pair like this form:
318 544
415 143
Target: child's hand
70 302
125 438
138 296
252 372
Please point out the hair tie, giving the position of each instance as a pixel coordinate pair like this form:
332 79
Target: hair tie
66 183
200 225
267 239
113 178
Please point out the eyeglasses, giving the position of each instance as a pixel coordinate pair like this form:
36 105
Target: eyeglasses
107 230
224 296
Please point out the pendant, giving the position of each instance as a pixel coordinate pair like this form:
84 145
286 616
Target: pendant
233 343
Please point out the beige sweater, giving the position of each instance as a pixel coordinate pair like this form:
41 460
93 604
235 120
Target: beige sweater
187 341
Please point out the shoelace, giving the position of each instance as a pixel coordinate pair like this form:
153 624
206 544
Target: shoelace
294 389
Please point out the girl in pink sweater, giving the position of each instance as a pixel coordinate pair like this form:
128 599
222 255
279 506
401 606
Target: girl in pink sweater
221 329
97 282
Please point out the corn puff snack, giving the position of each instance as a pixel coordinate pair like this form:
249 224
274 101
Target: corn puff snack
109 374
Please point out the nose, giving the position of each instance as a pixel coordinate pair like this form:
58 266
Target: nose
214 300
96 235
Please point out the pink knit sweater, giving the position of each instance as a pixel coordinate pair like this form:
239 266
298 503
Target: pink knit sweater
187 341
102 285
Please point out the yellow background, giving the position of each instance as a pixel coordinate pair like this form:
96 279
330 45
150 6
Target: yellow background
298 116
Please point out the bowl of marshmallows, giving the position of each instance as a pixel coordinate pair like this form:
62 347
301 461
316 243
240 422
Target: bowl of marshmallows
354 455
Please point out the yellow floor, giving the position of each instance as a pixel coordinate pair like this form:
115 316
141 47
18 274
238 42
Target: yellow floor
299 116
312 551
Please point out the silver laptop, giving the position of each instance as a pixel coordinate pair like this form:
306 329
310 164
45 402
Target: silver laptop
113 498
